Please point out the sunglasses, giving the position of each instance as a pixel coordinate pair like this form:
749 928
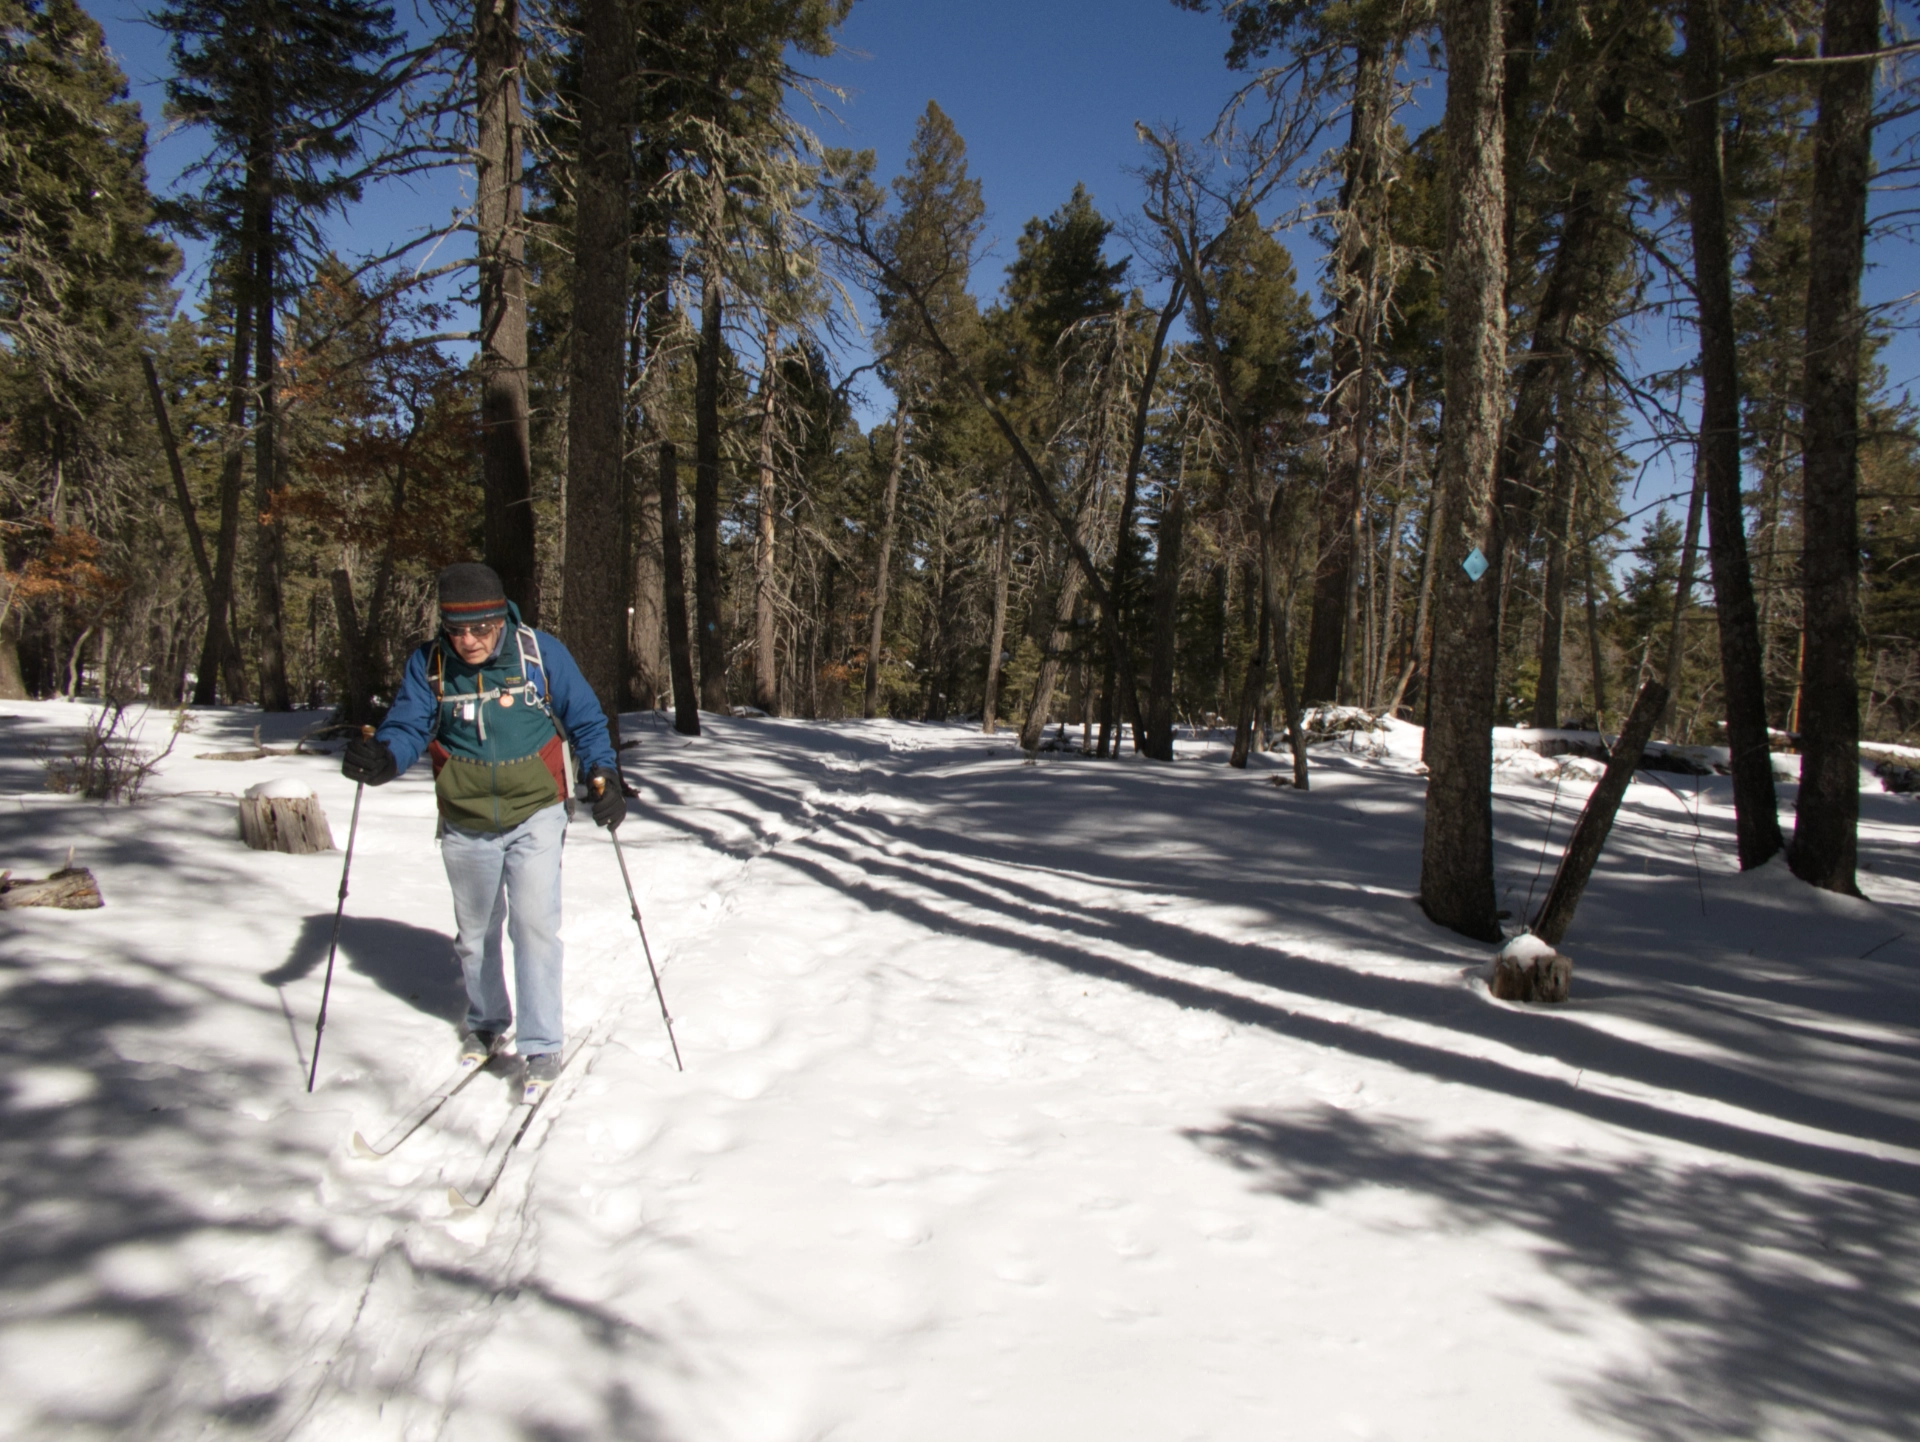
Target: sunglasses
478 631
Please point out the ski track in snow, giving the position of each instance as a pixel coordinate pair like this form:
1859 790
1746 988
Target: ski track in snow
1022 1101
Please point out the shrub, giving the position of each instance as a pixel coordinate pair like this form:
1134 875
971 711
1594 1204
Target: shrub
107 765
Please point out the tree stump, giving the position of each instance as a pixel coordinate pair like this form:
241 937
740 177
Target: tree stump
1527 969
72 888
284 816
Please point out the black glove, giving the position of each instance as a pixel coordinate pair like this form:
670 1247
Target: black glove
369 760
609 801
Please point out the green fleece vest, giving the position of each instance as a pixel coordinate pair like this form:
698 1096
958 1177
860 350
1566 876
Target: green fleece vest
497 754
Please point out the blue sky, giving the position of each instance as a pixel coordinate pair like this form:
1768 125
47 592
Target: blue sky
1046 93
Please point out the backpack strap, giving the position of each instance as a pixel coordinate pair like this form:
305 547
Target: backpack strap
532 666
540 693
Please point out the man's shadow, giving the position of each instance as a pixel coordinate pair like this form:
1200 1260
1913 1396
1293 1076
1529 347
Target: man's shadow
410 962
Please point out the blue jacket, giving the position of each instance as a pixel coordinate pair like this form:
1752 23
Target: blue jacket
490 728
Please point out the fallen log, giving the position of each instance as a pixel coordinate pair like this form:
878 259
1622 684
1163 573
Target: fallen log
71 888
254 752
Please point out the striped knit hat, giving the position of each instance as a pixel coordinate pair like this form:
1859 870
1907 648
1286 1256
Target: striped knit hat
471 592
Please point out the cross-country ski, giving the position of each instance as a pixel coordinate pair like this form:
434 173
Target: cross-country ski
475 1186
462 1072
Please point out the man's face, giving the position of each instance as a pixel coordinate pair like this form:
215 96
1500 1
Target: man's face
473 644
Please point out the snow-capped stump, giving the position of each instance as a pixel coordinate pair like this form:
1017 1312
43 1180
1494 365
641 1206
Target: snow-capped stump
71 888
284 815
1527 969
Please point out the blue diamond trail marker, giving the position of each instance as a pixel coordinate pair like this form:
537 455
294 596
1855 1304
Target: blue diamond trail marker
1475 565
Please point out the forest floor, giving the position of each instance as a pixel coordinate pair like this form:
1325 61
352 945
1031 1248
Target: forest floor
1071 1100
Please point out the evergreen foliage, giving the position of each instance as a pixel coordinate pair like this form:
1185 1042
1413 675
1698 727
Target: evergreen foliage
1154 478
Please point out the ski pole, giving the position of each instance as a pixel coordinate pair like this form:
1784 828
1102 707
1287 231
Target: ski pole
599 786
333 946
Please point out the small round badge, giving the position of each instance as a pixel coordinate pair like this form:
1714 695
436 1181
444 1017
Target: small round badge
506 699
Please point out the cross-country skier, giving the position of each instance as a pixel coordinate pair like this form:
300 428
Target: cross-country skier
493 701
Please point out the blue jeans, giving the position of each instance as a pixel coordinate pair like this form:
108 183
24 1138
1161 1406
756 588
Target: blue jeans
511 880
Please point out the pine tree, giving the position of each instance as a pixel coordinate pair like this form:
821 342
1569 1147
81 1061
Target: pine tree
930 241
286 90
80 266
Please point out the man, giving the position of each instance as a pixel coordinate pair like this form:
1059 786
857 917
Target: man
494 703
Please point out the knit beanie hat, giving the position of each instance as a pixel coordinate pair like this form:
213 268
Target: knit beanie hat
471 592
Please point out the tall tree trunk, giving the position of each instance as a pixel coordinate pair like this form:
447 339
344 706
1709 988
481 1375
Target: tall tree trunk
505 443
1825 831
876 625
997 638
1351 408
933 650
227 544
1390 604
1756 809
267 542
219 638
1283 672
1059 638
1553 624
1683 592
1768 582
766 677
706 488
651 675
593 613
1255 685
647 664
1158 720
1595 656
1456 860
13 682
1357 570
686 709
1362 611
1120 695
357 705
1418 642
373 629
646 671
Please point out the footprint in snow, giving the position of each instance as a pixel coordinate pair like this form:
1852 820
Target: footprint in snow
1020 1271
1221 1227
906 1230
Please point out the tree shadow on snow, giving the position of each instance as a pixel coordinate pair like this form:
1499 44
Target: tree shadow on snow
1079 939
1049 864
406 961
1773 1306
1766 1024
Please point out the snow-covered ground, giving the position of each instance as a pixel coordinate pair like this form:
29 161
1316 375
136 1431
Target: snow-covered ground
1072 1100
